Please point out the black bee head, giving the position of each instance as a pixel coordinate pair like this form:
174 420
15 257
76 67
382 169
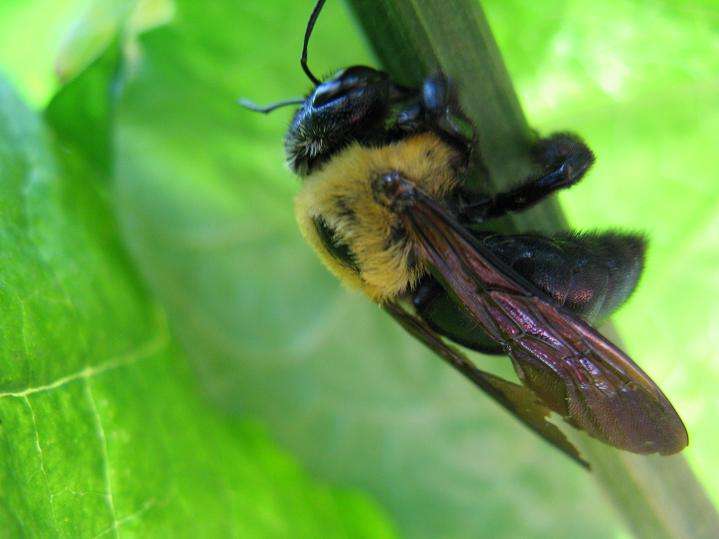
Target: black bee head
351 105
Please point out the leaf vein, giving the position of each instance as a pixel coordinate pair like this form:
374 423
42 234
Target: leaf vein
148 349
41 456
149 504
100 431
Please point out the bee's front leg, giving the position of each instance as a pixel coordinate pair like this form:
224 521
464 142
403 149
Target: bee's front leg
444 115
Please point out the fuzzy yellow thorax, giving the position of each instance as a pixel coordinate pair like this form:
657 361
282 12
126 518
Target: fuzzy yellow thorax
341 194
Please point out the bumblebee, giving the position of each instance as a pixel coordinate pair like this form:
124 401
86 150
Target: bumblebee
387 204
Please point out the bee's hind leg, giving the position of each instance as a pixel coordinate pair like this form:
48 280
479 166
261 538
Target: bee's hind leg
563 159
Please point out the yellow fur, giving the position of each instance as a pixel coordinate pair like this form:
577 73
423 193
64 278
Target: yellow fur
344 183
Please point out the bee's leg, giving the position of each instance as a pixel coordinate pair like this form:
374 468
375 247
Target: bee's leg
442 112
563 157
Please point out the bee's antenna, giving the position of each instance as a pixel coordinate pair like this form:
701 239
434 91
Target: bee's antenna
303 62
308 33
268 108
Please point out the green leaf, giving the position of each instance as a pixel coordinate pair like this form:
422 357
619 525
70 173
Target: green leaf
103 431
103 22
47 43
206 206
30 35
81 113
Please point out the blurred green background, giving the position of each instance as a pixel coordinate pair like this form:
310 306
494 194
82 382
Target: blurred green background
176 361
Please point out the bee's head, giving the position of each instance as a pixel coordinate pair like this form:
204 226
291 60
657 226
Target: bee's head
352 104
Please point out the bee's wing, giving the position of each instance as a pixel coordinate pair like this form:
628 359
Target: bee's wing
517 399
574 370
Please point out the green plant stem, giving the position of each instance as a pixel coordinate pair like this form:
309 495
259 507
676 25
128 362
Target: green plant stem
657 496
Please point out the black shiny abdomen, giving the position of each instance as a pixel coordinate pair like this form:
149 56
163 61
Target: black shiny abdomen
589 274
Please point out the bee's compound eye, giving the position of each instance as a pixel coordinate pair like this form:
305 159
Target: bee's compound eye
344 82
356 76
327 92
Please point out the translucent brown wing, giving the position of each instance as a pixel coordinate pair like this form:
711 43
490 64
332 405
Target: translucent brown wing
575 371
518 400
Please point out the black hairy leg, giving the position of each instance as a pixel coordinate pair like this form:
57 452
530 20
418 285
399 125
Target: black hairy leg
590 274
441 106
563 159
437 108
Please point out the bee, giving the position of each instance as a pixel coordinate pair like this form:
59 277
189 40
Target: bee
387 204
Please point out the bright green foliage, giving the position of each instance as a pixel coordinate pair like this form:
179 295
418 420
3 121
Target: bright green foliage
31 33
122 436
104 431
